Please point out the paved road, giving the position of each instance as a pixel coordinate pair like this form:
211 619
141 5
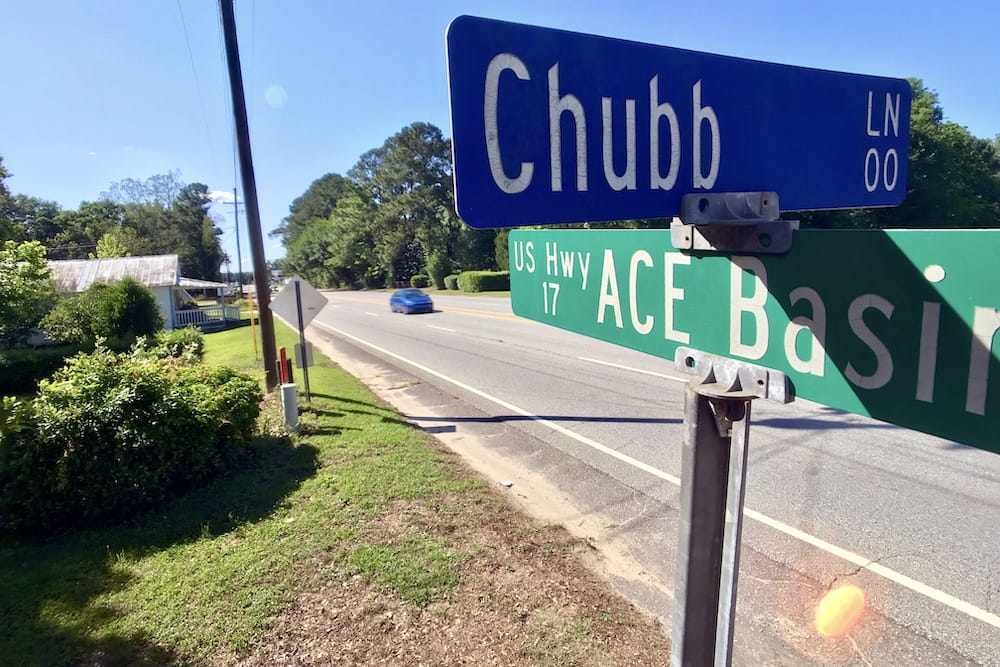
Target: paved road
832 497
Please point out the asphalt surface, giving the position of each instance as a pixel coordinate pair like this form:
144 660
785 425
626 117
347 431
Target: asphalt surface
912 520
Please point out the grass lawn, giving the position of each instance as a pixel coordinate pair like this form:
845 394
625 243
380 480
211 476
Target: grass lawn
361 505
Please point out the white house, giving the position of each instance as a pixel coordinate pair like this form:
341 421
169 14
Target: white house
159 273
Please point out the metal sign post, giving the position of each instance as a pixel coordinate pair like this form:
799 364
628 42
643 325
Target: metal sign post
301 302
302 338
713 478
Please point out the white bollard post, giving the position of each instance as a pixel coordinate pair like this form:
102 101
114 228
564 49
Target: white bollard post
290 404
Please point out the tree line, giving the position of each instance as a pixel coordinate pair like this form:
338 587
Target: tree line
158 215
393 216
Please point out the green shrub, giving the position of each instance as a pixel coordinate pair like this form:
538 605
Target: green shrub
484 281
123 310
451 282
21 370
419 280
187 344
112 434
438 266
67 322
118 312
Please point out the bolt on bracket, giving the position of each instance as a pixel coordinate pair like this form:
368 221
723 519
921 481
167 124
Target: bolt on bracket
743 222
720 377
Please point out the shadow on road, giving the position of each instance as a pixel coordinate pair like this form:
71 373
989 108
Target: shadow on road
551 418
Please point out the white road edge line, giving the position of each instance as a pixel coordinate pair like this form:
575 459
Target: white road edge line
861 561
433 326
371 313
634 370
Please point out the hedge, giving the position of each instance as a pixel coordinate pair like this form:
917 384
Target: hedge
112 434
484 281
419 280
451 282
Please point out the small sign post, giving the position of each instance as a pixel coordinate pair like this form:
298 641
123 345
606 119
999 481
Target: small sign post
302 339
300 302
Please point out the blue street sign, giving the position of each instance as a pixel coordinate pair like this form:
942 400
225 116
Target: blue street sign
551 126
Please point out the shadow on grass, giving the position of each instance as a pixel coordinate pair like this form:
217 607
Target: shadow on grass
383 415
323 413
50 612
341 399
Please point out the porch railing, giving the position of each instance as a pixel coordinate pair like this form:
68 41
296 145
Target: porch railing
183 318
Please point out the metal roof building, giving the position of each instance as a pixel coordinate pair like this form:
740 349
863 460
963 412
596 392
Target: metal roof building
160 273
76 275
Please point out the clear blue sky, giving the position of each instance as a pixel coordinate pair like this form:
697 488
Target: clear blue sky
99 91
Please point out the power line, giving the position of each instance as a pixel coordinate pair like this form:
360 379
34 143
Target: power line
72 247
197 85
253 48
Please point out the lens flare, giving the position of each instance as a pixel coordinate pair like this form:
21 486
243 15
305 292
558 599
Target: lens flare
840 611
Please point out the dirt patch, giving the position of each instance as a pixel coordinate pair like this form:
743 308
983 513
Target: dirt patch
524 598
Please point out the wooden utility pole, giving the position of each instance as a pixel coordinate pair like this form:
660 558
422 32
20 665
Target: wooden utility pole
260 272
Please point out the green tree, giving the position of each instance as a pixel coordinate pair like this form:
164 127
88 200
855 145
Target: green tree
27 291
954 177
197 237
112 244
161 189
36 219
158 215
351 257
80 230
502 252
155 230
308 253
9 231
476 249
316 203
408 180
4 174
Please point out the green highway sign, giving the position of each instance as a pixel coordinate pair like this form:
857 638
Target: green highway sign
897 325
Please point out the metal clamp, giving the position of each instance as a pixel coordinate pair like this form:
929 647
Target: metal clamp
730 378
743 222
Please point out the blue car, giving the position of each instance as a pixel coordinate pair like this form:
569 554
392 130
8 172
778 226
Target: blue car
410 300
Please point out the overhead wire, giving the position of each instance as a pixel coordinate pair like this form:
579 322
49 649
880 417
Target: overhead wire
197 84
229 103
253 45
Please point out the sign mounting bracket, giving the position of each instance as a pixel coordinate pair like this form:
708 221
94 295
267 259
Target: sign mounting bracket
737 222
